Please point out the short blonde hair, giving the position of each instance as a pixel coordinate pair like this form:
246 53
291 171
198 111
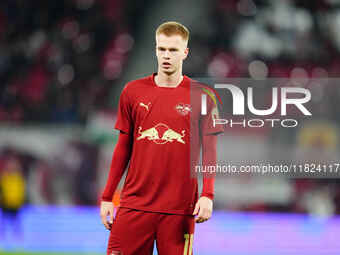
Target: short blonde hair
173 28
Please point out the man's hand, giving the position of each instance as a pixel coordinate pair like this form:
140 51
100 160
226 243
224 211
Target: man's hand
203 209
106 209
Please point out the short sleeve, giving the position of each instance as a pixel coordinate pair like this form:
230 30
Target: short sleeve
207 124
124 115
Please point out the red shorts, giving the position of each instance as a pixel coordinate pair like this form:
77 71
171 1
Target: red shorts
134 232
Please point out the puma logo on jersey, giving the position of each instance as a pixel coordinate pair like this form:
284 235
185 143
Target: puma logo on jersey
144 105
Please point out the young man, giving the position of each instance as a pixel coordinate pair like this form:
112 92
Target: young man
158 125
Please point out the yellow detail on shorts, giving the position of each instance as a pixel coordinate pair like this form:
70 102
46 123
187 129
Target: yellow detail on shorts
191 242
188 244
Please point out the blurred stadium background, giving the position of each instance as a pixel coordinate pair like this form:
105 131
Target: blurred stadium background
62 66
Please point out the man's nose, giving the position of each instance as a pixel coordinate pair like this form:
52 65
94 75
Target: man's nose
166 54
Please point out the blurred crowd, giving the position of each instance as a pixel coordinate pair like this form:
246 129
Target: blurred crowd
70 177
59 62
58 59
264 38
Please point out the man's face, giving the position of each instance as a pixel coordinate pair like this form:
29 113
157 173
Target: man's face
170 52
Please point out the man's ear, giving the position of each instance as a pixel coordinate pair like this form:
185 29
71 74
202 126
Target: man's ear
186 52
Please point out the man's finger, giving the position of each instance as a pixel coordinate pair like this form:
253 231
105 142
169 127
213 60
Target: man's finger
104 221
200 216
111 217
103 216
206 214
197 207
199 220
203 216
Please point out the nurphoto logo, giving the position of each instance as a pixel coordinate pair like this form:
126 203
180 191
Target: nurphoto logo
302 97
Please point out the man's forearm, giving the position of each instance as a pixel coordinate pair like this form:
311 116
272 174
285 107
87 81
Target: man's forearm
209 155
120 159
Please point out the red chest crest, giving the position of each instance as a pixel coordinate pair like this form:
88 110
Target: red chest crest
183 109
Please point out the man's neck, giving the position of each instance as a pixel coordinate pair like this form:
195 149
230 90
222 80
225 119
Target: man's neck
164 80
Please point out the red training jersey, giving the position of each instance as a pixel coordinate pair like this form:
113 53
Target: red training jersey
167 126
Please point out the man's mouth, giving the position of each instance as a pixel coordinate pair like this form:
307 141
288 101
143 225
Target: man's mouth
166 64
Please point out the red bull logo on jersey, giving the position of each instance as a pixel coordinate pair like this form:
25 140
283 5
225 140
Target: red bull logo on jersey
161 134
183 109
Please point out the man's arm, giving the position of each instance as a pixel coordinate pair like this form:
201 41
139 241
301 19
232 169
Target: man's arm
120 159
204 205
